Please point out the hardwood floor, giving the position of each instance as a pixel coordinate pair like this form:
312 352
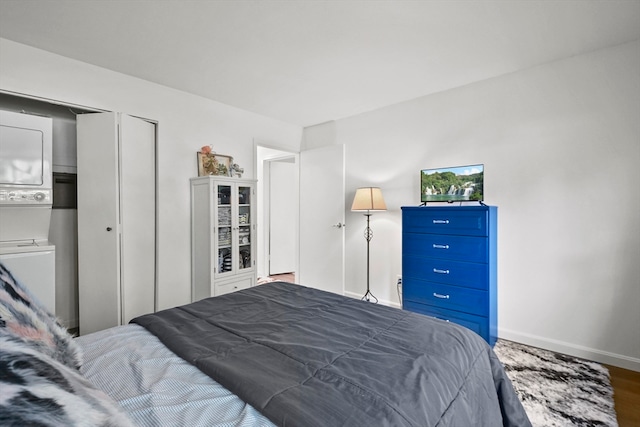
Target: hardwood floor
626 395
285 277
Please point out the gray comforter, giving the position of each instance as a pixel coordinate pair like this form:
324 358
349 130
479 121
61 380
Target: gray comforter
305 357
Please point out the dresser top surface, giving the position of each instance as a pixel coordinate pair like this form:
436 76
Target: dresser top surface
446 207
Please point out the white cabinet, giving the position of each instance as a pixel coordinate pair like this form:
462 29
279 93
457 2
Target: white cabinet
116 219
223 235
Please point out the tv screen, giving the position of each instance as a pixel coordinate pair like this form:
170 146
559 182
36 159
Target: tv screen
454 184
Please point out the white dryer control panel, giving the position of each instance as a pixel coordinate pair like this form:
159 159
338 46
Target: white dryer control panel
20 196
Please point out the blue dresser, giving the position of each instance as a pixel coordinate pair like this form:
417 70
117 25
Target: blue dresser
449 267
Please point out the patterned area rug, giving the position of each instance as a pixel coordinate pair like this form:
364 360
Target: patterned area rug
558 390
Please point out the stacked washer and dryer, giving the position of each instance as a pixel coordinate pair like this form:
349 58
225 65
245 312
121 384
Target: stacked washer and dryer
26 199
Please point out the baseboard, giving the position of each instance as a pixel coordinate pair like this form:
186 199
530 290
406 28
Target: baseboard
380 301
599 356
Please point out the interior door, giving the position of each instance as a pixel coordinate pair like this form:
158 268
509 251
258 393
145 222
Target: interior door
116 219
322 188
282 217
98 225
137 201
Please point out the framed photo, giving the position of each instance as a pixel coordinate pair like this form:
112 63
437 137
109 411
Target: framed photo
214 164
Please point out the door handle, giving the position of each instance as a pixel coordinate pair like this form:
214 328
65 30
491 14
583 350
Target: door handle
339 225
109 228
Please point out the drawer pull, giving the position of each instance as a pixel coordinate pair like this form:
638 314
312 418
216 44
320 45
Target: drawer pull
441 221
435 270
440 296
440 246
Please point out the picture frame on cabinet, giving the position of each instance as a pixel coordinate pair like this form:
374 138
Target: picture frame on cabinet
214 164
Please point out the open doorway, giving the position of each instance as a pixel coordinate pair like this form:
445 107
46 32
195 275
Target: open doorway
278 213
63 226
64 229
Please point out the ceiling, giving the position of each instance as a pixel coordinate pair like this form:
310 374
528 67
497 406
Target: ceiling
309 62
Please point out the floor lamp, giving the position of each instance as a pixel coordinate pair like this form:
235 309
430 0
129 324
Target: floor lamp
368 199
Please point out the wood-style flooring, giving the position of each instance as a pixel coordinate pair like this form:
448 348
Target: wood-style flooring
626 395
285 277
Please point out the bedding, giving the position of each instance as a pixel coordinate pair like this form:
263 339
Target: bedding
25 318
276 354
311 358
37 390
157 388
40 384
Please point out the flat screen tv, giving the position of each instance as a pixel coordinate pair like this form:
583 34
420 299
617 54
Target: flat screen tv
452 184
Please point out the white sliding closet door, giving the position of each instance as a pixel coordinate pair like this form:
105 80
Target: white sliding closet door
116 219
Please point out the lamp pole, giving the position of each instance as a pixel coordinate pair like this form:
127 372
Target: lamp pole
368 199
368 234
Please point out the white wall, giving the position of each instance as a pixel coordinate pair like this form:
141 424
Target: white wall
186 122
561 148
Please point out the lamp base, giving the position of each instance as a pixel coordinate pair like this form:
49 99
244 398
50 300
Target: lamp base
368 295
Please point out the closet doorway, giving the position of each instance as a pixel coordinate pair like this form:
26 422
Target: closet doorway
278 211
64 231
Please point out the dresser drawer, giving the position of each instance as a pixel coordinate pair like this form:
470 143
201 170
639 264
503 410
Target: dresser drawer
444 246
459 220
478 324
467 274
225 288
469 300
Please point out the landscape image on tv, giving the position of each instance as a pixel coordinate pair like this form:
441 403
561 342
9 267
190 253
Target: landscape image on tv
454 184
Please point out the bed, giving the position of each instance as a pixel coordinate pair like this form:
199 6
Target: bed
288 355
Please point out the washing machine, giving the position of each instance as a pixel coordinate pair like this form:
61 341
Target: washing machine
33 264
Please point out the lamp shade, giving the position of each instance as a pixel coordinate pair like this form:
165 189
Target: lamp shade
368 199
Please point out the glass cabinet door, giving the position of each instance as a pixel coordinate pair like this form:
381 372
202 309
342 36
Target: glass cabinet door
244 227
223 235
224 229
